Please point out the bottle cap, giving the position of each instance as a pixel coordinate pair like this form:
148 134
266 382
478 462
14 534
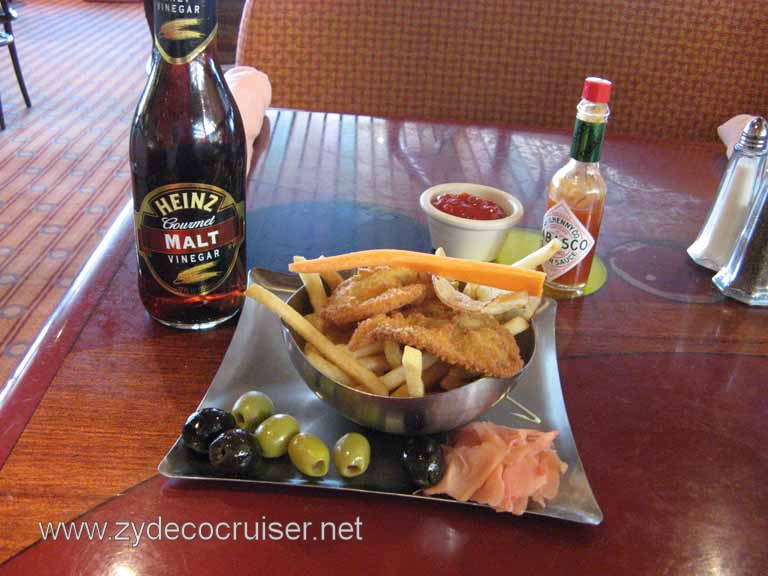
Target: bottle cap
596 89
754 137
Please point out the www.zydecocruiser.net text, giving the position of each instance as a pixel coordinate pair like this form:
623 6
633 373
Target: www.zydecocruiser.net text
159 529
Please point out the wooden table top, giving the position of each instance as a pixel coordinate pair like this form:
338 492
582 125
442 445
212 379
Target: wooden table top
663 379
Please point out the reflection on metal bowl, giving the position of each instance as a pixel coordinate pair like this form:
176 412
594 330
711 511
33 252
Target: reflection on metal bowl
433 413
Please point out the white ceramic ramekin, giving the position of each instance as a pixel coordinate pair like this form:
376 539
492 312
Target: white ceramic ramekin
465 238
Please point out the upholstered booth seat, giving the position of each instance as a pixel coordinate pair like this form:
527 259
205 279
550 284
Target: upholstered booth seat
679 68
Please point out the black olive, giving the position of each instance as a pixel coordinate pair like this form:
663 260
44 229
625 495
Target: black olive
202 427
423 459
234 450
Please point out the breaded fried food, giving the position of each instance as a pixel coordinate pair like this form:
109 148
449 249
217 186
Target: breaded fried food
374 291
476 342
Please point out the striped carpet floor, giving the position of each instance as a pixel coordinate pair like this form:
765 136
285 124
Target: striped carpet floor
63 163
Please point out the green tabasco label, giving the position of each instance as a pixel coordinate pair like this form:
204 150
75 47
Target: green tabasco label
184 28
587 141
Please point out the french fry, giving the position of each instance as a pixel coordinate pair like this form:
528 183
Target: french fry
332 278
369 350
506 302
484 294
342 358
498 302
401 392
431 377
310 349
517 325
531 307
376 363
434 374
393 353
526 310
315 289
413 366
393 379
538 257
328 369
501 302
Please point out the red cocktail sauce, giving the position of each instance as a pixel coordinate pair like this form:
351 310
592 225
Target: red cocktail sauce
468 206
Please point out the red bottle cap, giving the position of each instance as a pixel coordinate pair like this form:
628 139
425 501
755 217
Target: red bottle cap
596 89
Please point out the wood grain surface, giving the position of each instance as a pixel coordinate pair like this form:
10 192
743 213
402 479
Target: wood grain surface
662 379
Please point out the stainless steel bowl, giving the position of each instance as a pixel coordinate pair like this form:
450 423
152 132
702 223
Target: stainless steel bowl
433 413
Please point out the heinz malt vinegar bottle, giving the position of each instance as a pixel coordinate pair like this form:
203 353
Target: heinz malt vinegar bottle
188 165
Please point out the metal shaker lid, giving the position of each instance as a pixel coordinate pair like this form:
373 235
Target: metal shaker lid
754 137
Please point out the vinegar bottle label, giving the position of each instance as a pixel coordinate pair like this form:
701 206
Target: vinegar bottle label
560 222
189 235
184 29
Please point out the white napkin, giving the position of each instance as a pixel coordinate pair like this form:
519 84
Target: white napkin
253 94
730 132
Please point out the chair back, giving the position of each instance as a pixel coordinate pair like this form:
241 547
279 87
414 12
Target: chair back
679 68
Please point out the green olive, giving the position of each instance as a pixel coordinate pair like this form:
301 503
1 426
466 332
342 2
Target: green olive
352 455
309 454
251 409
274 434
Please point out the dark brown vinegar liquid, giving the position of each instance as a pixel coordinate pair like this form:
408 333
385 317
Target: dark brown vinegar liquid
193 311
187 140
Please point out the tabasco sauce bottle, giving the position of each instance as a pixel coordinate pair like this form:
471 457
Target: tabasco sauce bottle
577 195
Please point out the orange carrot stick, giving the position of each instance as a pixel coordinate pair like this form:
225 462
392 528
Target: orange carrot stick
484 273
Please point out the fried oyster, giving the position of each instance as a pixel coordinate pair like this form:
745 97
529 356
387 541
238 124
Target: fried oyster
473 341
374 291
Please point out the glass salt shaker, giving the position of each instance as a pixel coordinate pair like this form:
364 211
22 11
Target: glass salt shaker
745 277
739 185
